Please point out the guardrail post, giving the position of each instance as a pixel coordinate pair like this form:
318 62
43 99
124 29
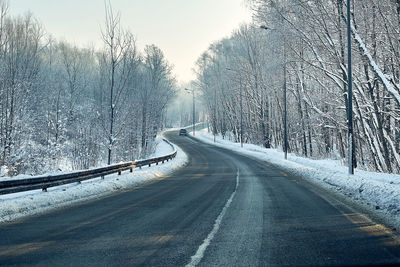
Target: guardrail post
149 164
130 170
119 172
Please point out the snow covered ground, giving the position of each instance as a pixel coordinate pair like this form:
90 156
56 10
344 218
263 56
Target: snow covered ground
18 205
378 192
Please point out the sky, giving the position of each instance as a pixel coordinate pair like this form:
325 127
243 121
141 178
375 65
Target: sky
183 29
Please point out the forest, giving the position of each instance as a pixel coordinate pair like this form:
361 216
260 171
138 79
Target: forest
241 77
64 107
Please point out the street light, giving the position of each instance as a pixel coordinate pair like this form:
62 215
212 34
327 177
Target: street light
285 141
350 93
215 113
241 108
264 27
194 111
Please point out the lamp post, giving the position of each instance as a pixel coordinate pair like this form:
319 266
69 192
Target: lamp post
285 141
194 111
241 108
350 93
241 112
215 113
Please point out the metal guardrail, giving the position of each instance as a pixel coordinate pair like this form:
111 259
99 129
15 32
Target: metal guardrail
44 182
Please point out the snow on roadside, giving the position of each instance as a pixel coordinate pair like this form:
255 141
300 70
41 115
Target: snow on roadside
378 192
18 205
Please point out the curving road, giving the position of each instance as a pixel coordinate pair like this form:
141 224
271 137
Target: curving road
223 209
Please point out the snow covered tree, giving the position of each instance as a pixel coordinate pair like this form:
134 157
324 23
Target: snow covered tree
60 105
308 38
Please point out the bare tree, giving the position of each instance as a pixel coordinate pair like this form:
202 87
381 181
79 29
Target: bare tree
120 49
317 78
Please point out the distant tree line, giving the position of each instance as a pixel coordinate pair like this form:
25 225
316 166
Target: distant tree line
309 39
73 108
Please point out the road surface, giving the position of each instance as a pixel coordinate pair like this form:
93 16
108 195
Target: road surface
223 209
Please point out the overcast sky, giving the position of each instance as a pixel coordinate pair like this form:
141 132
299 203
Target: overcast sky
183 29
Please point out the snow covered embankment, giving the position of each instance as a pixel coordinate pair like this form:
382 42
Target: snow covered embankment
377 192
18 205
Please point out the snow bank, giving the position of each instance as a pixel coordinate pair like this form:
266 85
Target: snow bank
18 205
378 192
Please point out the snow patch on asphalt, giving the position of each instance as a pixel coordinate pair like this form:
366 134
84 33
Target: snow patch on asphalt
18 205
378 192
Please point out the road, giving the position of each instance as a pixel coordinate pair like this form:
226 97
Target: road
223 209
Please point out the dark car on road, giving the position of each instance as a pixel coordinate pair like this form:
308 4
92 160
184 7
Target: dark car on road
183 132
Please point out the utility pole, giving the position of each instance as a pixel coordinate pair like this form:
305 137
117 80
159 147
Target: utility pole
285 140
350 91
215 113
194 115
241 113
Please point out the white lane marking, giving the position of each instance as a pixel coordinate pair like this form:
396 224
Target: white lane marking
196 258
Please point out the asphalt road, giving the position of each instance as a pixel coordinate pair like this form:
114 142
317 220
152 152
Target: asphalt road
223 209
